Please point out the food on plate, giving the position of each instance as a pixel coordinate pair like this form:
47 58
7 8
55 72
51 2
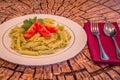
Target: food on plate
39 37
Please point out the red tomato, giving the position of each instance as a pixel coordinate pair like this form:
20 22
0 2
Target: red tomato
39 26
30 32
43 31
52 29
27 35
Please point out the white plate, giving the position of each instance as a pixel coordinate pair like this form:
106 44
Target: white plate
77 42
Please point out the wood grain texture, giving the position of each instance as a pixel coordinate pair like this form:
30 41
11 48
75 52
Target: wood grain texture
79 67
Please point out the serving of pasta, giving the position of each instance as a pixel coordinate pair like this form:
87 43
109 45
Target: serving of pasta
38 45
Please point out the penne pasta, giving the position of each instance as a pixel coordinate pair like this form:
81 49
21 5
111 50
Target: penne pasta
30 53
38 45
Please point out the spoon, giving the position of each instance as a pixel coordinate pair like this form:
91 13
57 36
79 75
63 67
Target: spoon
110 30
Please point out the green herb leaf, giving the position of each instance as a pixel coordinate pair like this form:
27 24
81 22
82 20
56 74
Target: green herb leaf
28 22
41 21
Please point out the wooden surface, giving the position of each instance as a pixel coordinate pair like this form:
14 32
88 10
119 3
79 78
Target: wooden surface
78 68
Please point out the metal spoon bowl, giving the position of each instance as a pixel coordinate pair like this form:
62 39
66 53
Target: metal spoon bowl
110 30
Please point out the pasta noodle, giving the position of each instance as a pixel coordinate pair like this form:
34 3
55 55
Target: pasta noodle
38 45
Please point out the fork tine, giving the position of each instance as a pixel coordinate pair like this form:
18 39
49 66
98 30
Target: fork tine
93 26
97 27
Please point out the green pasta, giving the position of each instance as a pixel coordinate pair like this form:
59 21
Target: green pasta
39 45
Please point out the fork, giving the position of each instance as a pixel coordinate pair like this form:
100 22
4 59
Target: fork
95 31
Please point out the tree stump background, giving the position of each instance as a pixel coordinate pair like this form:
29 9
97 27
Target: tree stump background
81 66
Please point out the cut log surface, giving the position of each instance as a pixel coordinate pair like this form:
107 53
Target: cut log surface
80 67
